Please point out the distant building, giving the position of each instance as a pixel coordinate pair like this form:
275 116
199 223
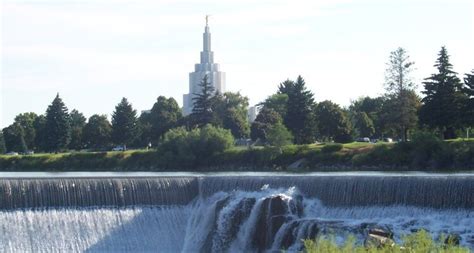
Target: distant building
252 113
206 67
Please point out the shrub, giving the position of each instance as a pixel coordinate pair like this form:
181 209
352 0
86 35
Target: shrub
189 148
278 135
419 242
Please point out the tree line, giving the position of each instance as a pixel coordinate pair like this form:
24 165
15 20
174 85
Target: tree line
291 115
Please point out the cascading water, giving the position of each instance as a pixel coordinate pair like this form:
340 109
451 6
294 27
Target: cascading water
258 213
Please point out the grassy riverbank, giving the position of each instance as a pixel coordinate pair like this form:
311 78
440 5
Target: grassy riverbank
426 155
419 242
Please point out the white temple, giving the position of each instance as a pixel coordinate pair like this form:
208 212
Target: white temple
206 67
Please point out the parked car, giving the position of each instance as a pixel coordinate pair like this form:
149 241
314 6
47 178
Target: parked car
363 139
388 140
12 153
119 148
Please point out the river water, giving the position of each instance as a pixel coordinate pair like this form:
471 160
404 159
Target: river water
223 212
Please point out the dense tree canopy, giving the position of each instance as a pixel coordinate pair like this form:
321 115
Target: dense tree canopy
230 112
468 105
97 132
299 118
333 123
78 122
26 122
124 124
265 120
163 116
3 147
442 104
202 113
402 98
58 126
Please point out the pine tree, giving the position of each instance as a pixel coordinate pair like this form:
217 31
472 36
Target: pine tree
299 118
124 123
3 148
441 108
400 89
58 126
202 113
468 108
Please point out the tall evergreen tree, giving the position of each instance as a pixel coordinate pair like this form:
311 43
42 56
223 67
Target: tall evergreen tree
202 113
441 108
124 123
78 121
97 132
299 118
58 126
468 105
3 148
400 89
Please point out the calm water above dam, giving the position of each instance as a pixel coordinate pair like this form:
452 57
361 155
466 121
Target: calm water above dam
223 212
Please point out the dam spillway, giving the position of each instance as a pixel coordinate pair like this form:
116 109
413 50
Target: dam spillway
223 212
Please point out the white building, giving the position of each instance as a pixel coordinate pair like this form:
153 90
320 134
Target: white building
206 67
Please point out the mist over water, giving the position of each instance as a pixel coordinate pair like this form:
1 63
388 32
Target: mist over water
224 213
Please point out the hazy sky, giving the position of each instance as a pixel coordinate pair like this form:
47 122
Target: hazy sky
94 52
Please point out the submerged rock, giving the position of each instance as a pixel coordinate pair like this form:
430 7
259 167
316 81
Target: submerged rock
379 238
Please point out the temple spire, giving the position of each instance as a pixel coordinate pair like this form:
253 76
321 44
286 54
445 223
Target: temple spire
207 37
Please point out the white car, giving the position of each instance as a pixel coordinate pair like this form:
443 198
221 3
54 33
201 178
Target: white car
119 148
12 153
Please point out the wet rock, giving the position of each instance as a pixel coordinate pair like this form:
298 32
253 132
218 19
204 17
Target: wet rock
235 218
271 216
379 238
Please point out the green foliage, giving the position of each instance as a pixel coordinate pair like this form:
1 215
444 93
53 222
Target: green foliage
190 148
418 242
41 133
163 116
124 124
374 108
332 122
14 136
230 112
58 126
3 147
330 148
442 104
278 135
277 102
299 118
468 103
266 118
363 125
78 121
202 113
26 122
401 112
97 132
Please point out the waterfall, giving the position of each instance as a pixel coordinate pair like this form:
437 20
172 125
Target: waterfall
225 213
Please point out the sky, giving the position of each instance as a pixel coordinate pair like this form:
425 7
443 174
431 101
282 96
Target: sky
94 52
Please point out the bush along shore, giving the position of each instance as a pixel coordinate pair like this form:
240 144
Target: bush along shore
211 149
380 241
